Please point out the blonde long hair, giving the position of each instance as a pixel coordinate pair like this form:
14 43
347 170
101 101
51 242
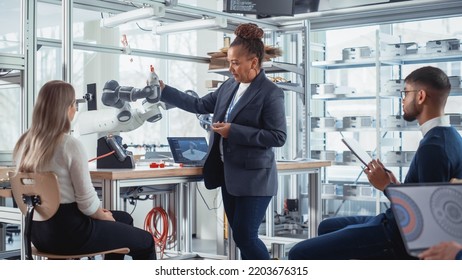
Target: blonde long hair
50 122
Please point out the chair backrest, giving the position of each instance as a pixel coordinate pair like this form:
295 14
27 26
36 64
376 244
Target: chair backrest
42 184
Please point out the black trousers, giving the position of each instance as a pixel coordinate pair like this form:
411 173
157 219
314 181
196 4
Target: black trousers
69 231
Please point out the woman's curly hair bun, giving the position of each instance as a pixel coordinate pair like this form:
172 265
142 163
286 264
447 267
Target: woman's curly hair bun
249 31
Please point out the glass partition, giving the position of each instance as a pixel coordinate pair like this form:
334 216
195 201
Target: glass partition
10 24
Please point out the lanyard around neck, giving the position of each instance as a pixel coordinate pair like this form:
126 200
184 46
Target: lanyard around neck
237 96
230 108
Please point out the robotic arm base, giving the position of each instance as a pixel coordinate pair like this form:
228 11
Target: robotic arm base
111 161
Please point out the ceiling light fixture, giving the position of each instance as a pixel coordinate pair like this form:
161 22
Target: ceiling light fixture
154 11
210 23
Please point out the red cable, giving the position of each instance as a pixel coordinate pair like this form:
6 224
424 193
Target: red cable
101 156
150 224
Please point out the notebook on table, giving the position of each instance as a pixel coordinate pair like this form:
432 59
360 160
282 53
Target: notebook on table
189 151
427 214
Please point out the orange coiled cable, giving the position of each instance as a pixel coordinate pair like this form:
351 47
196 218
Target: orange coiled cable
161 237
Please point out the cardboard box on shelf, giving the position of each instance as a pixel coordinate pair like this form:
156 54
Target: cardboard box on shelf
217 54
218 63
218 60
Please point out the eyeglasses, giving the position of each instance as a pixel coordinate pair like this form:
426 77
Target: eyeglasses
405 92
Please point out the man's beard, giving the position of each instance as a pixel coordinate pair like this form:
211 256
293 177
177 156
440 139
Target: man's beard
409 118
412 114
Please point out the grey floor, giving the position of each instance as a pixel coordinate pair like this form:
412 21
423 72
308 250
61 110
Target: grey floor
204 246
204 249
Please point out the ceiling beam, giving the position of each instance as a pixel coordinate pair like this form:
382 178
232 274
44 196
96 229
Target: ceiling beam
175 13
375 14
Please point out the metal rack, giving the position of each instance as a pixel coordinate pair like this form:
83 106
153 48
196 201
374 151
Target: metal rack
379 63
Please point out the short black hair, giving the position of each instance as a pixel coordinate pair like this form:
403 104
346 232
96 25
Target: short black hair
429 76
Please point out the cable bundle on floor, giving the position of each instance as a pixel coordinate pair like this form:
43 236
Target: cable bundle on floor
159 217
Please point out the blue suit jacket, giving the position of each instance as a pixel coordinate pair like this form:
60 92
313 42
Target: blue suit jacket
258 123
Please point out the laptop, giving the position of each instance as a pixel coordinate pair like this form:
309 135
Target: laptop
189 151
427 214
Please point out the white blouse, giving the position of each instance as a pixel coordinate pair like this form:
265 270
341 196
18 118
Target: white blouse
70 164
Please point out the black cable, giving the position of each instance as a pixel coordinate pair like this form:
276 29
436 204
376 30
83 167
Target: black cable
6 73
134 5
141 28
139 7
205 202
135 203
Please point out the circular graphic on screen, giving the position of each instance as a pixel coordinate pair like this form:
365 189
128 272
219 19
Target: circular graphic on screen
408 215
446 206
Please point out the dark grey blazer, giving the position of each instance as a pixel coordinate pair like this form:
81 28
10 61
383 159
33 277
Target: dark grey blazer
258 123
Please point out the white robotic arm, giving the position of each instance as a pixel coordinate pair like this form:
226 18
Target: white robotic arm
111 153
106 120
121 118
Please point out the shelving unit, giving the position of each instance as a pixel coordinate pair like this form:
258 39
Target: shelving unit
333 202
344 64
386 105
421 58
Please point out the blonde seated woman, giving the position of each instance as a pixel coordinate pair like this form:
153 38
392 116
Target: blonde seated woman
80 225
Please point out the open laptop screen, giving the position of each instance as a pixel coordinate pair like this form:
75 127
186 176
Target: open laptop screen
427 214
190 151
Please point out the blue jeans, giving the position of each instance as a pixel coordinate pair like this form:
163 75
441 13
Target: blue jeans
357 237
245 214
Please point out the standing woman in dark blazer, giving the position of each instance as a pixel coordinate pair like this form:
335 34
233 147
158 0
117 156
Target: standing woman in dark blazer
248 121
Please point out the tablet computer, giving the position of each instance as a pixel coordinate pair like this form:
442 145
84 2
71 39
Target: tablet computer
357 150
